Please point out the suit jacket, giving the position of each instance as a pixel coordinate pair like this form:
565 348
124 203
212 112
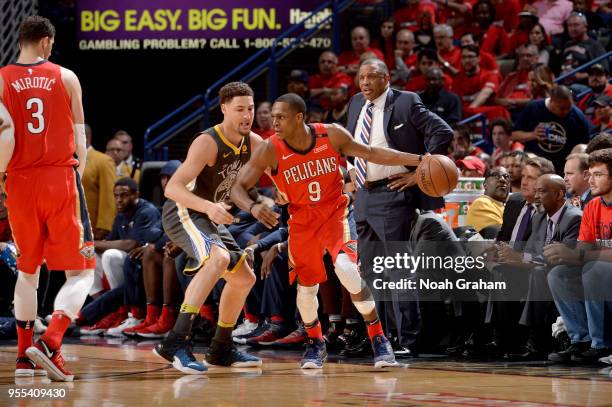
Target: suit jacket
408 127
566 231
511 213
98 182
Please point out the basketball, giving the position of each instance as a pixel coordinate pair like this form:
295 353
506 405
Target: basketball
437 175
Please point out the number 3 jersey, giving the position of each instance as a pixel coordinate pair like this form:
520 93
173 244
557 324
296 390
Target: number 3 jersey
311 177
39 104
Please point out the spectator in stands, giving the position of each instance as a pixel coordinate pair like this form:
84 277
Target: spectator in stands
576 177
603 114
471 166
594 20
508 11
488 62
462 146
580 48
552 127
131 163
456 13
556 221
476 87
520 35
599 142
406 17
405 58
491 34
598 84
298 83
426 59
581 282
339 106
503 311
424 32
515 168
539 38
501 134
137 223
541 81
488 209
115 150
553 14
445 104
449 56
263 119
98 182
327 80
348 61
513 92
385 41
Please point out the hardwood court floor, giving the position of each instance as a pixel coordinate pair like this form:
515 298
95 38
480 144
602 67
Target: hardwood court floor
128 374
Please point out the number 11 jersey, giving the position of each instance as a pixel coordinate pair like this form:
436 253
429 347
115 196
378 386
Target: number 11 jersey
39 104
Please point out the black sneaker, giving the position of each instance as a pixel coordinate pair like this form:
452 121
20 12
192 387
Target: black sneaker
332 335
356 343
591 356
203 330
225 354
261 328
567 354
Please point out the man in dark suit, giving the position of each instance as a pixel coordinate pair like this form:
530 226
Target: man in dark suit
387 196
558 221
515 231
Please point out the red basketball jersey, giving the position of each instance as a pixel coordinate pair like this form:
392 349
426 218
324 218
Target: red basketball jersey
39 104
310 177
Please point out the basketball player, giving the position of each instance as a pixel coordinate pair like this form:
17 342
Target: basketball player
46 204
194 217
304 163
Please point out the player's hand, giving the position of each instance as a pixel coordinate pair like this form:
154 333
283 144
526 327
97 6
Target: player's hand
265 215
218 213
539 133
136 253
402 181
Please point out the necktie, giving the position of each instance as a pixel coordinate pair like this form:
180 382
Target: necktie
549 232
364 138
522 231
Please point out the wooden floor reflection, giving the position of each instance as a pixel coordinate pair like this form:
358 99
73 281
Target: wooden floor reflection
128 374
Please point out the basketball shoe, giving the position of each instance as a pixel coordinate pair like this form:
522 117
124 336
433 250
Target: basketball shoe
51 360
315 354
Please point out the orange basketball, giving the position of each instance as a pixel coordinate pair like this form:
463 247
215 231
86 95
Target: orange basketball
437 175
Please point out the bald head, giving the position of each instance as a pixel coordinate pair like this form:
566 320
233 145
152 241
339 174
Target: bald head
360 39
550 193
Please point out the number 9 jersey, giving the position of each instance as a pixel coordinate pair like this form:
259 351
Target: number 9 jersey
312 183
35 96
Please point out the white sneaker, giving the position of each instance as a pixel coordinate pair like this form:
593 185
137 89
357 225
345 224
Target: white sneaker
606 359
39 326
118 330
244 328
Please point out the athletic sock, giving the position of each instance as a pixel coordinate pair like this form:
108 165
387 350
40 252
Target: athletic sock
184 321
314 330
25 332
56 330
374 328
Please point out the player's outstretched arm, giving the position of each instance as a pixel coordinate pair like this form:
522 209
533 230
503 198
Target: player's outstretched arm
263 157
73 86
345 144
202 152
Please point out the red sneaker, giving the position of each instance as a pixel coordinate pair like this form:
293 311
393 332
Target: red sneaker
295 339
163 325
274 332
25 368
51 360
110 321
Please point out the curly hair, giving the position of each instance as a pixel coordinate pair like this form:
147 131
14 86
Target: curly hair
601 157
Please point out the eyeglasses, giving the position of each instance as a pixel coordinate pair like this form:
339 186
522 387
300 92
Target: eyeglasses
600 174
371 77
499 175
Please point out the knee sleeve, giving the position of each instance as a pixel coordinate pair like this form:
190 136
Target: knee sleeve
73 293
112 264
365 307
307 302
348 274
26 301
